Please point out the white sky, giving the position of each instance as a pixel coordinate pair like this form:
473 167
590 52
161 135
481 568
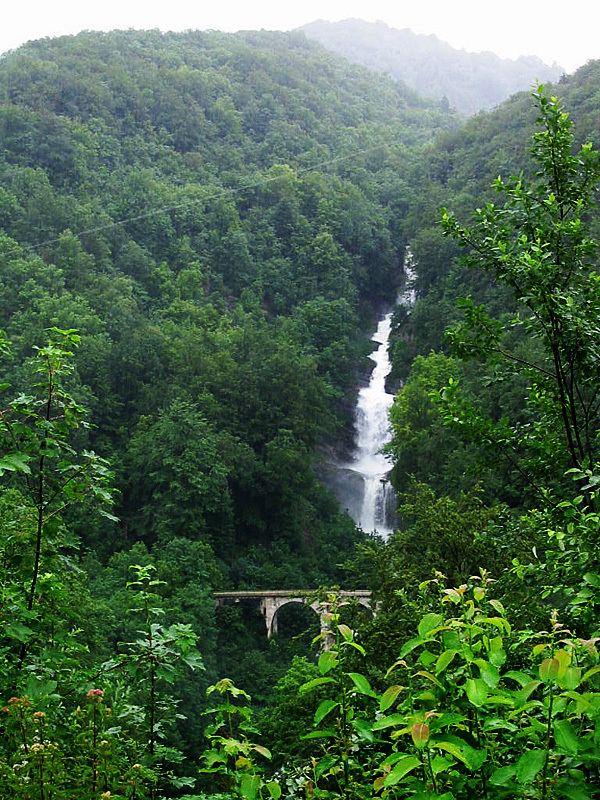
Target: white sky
569 36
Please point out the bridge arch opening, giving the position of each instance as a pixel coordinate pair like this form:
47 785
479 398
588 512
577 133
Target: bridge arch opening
296 620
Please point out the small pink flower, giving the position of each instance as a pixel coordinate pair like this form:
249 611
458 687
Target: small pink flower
95 693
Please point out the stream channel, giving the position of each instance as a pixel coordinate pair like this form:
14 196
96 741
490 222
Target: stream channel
362 484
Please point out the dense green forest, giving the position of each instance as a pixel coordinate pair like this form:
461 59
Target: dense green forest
197 233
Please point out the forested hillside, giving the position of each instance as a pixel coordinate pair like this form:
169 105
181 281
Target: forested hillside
198 231
218 216
458 172
469 82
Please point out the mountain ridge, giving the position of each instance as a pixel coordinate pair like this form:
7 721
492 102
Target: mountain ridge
470 82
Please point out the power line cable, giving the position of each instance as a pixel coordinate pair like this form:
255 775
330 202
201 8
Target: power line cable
168 209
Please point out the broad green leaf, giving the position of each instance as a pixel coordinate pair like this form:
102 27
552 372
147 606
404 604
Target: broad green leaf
356 646
388 698
362 684
15 462
476 691
346 632
520 677
307 687
327 734
424 674
565 736
452 595
36 689
389 721
503 775
592 578
564 660
471 758
488 672
444 659
496 604
570 679
498 622
429 623
274 789
327 660
249 786
446 719
364 729
567 790
324 708
497 657
323 765
18 631
588 674
523 694
409 646
401 768
529 765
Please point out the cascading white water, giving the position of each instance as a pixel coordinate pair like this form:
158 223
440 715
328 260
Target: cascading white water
373 432
362 484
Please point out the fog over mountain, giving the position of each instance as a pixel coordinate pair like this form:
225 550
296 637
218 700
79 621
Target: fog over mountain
470 81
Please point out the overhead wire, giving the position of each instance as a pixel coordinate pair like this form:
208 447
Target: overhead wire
227 191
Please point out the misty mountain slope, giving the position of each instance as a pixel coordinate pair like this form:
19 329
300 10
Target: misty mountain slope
470 81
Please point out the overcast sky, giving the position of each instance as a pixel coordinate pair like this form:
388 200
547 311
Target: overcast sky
507 27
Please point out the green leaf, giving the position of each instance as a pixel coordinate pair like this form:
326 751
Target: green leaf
429 623
263 751
324 708
388 698
476 691
497 657
274 789
361 684
565 736
19 632
324 765
444 659
571 679
35 689
15 462
346 632
520 677
529 765
409 646
402 767
356 646
307 687
389 721
471 758
488 672
327 734
523 694
249 786
497 605
363 729
502 776
327 661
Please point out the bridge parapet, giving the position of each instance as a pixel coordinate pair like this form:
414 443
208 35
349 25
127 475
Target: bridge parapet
270 601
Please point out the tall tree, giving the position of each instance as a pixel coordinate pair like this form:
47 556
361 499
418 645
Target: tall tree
537 244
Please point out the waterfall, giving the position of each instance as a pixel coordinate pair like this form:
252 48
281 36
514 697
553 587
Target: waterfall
373 432
362 483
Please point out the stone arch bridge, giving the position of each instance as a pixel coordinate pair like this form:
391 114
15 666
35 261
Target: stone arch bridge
269 603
